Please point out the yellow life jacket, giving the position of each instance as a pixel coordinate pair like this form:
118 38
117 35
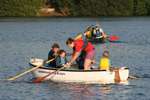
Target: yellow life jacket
104 63
88 34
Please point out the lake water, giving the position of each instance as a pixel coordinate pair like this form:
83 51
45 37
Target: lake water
23 38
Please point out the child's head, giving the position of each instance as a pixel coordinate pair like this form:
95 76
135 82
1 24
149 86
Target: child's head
62 53
55 47
106 54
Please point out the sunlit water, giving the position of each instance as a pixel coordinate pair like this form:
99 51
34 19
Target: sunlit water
23 38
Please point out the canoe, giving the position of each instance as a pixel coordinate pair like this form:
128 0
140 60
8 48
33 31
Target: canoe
76 75
97 40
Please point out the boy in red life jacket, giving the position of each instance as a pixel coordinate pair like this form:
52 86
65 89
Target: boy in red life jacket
78 46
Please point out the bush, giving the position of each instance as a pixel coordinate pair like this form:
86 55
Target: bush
20 7
97 7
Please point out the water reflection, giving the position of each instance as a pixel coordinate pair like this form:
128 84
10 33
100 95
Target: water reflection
105 89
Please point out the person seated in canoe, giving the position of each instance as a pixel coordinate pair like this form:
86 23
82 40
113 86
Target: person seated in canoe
78 46
53 54
105 61
61 59
98 33
93 32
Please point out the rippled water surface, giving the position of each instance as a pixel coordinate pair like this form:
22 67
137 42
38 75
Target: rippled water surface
23 38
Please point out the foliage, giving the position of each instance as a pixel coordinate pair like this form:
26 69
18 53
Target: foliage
20 7
92 8
140 7
105 7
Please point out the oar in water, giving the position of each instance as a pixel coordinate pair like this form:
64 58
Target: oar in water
25 72
132 77
40 79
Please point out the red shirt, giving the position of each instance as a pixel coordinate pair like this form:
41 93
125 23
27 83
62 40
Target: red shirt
79 46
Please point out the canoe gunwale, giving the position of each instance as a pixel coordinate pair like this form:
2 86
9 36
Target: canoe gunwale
73 70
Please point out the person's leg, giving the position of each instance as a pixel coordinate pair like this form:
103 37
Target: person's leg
80 60
88 59
87 64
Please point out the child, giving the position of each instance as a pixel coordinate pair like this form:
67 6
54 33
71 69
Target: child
53 54
61 59
105 61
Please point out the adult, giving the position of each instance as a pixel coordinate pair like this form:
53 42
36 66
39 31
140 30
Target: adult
53 53
94 32
78 47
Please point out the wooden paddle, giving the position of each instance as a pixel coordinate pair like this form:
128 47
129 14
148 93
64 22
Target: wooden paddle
40 79
25 72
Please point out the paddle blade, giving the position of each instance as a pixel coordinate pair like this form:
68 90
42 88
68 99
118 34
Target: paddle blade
114 38
38 80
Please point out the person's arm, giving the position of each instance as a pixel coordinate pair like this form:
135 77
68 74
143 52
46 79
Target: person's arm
50 55
74 57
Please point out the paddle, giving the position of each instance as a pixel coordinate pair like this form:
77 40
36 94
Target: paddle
25 72
132 77
112 38
40 79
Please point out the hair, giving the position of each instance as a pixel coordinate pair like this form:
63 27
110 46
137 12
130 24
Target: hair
61 51
69 41
55 45
106 54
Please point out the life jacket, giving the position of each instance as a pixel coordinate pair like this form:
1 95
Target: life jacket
104 63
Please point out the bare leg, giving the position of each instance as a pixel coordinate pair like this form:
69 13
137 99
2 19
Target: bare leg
87 64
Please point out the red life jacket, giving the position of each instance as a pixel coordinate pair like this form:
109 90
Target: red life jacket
79 46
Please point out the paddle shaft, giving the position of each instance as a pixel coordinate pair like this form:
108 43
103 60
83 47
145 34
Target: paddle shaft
29 70
132 77
54 72
19 75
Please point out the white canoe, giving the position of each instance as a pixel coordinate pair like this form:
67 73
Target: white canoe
86 76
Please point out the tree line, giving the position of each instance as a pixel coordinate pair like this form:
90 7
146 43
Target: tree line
91 8
103 7
20 7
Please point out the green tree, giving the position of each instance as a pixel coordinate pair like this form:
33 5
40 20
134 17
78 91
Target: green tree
120 7
148 6
140 7
20 7
105 7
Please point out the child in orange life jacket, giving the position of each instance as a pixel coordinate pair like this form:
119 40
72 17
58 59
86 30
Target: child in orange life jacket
105 61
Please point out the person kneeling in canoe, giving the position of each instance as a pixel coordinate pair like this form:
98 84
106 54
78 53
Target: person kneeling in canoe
95 32
79 46
105 61
61 59
53 53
